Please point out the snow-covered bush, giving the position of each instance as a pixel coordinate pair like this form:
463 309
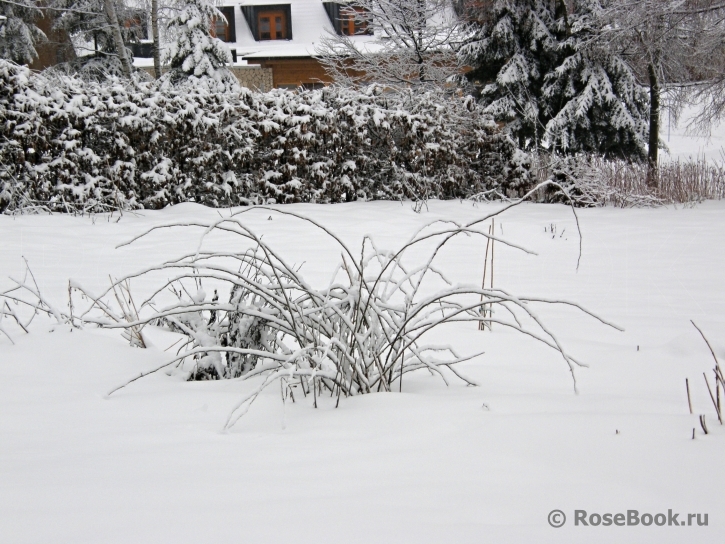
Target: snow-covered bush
73 145
363 332
383 313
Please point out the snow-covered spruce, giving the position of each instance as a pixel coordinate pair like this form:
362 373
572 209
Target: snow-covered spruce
592 99
543 74
72 145
513 47
18 33
195 53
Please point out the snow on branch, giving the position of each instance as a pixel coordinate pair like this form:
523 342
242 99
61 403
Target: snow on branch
70 145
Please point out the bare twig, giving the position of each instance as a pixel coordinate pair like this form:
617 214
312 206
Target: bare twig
717 363
703 424
714 402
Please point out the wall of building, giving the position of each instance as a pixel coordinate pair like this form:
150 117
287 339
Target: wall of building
253 77
293 72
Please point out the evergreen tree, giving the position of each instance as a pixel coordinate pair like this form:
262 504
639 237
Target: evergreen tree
18 33
511 51
592 99
194 52
545 80
98 34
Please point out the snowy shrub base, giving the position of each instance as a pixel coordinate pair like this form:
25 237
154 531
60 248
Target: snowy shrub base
591 180
72 145
95 68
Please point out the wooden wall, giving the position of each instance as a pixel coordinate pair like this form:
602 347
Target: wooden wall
294 71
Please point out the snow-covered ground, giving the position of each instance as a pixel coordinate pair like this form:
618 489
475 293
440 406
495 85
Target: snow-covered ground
685 144
436 464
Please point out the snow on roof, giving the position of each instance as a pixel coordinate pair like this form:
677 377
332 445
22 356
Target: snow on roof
309 24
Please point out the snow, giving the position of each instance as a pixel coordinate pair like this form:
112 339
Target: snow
430 464
143 62
684 144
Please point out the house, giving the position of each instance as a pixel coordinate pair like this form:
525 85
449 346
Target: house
284 36
273 41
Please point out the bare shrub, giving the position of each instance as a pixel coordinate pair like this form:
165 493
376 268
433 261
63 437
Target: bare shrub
595 181
719 384
362 333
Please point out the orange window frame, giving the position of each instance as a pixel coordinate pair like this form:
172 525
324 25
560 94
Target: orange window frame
273 17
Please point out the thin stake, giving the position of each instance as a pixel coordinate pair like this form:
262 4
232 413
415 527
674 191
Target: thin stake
689 401
493 231
70 303
402 361
717 393
489 244
719 417
482 324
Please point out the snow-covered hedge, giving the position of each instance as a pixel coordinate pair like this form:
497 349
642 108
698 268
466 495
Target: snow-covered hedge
68 144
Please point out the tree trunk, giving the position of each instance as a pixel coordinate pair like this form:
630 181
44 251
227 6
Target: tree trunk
117 38
155 35
654 126
561 10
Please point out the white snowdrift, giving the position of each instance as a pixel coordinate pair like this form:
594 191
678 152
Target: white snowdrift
431 464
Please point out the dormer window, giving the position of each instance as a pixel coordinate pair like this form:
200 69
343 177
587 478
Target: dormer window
272 25
225 30
269 22
347 20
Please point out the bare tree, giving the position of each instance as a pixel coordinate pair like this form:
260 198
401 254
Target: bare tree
97 26
393 42
707 85
117 37
155 36
676 47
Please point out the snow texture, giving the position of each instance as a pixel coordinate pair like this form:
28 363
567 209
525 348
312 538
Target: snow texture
431 464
